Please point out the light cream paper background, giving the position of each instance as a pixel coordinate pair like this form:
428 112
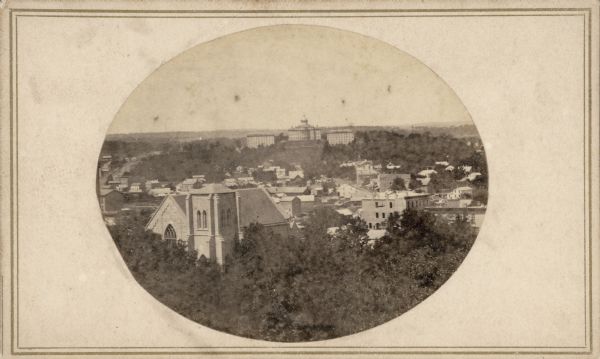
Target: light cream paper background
520 77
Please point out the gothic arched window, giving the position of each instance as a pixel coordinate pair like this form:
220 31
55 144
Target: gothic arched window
198 219
170 234
204 225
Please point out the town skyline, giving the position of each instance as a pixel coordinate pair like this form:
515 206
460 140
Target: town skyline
407 127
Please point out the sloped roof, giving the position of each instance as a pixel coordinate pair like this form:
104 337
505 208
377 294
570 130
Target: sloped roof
256 206
394 175
344 211
287 189
376 233
214 188
180 200
106 191
464 188
306 198
160 190
427 172
286 199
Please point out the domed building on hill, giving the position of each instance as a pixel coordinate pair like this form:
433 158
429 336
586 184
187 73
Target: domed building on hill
304 132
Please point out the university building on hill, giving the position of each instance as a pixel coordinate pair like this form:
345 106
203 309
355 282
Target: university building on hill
302 135
256 140
304 132
340 137
210 219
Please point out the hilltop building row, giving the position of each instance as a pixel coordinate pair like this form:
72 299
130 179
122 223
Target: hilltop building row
302 133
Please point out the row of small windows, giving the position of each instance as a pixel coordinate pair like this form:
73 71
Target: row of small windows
383 214
417 203
410 204
378 205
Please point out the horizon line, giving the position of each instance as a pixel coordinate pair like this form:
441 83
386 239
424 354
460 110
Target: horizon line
431 124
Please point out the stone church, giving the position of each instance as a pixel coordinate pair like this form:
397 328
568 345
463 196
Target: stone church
212 218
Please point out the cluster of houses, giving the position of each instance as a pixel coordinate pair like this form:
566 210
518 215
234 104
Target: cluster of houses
380 191
210 216
296 196
424 176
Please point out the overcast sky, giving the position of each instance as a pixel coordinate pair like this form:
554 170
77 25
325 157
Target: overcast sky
271 77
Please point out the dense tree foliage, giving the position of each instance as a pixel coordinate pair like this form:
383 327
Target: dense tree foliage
398 184
214 158
311 286
409 151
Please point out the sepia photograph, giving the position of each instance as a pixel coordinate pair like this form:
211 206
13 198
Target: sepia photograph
292 183
299 179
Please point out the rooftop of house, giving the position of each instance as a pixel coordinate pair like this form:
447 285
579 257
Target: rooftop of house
464 188
394 175
189 181
344 212
105 191
332 230
287 189
302 198
376 233
427 172
394 195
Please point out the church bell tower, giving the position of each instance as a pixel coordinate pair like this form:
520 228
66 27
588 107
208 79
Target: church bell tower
213 216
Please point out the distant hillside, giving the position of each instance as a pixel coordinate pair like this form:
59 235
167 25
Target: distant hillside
459 131
186 136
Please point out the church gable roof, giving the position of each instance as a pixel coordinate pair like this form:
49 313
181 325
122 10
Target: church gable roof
178 200
213 188
256 206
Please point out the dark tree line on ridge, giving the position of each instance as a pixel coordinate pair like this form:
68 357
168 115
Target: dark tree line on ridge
310 286
215 157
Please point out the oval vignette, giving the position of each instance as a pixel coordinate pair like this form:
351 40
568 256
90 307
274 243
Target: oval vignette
292 183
